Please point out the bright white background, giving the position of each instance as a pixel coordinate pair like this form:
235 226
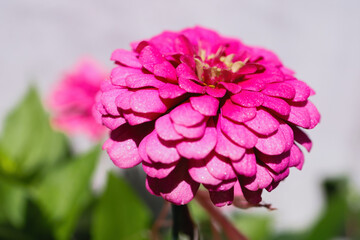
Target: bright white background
320 40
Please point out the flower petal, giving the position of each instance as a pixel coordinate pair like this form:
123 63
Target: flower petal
192 132
263 123
120 73
199 173
190 86
149 57
282 90
147 101
160 151
272 145
302 138
236 112
220 167
185 115
165 70
299 116
170 91
158 170
199 149
143 80
247 164
302 90
314 114
260 181
277 105
296 157
238 133
227 148
125 57
205 104
248 98
222 198
165 129
215 92
277 163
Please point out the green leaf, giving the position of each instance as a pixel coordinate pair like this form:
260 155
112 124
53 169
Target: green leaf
120 214
65 192
331 223
255 227
28 142
12 203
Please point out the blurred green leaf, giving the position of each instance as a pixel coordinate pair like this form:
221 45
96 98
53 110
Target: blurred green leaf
120 214
12 203
255 227
65 192
28 142
331 223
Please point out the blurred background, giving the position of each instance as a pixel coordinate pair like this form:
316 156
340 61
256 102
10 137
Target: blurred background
318 39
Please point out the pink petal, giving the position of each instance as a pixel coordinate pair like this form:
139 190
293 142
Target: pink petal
160 151
302 138
223 186
158 170
199 149
165 129
247 164
177 188
238 133
196 131
165 70
139 118
220 167
170 91
261 180
253 197
205 104
272 186
299 116
215 92
185 115
252 85
248 99
143 80
288 135
184 71
108 101
190 86
227 148
120 73
296 157
231 87
272 145
222 198
281 176
122 145
147 101
282 90
123 99
263 123
125 57
149 57
236 112
302 90
199 173
113 122
314 114
182 45
277 163
277 105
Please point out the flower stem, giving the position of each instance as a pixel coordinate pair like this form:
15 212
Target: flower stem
229 229
182 222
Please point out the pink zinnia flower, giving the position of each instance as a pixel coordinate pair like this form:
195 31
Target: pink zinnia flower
197 108
73 99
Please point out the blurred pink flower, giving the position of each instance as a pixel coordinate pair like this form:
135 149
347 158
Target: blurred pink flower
73 99
198 108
